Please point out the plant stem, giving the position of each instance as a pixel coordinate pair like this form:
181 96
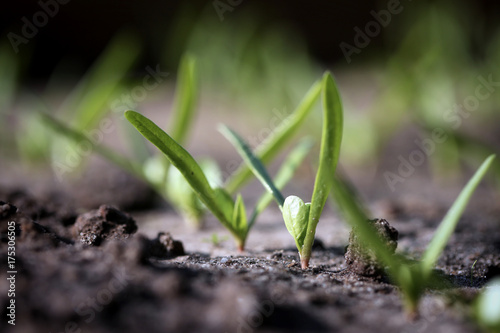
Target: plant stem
304 262
241 245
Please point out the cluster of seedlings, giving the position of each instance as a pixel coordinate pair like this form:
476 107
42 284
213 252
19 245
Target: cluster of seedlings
193 187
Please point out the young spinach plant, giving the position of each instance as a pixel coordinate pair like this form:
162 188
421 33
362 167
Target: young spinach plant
413 279
231 213
169 182
302 218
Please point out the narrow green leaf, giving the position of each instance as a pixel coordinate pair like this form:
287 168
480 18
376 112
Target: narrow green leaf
447 226
186 91
182 196
407 277
91 97
90 100
254 163
277 139
138 146
225 204
285 173
240 216
331 139
185 98
184 162
296 217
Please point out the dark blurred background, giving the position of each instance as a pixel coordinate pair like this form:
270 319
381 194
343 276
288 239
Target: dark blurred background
81 29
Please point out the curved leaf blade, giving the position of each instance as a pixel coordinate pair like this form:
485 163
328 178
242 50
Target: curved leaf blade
330 146
331 139
89 99
183 161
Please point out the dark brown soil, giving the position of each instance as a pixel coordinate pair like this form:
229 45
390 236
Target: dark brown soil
93 273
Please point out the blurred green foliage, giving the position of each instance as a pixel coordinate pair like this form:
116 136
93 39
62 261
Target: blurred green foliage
83 107
430 74
435 53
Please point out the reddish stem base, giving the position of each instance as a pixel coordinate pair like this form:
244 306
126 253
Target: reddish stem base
304 263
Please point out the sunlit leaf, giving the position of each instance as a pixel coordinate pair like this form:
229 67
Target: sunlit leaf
184 162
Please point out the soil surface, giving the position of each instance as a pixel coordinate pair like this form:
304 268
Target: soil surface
108 270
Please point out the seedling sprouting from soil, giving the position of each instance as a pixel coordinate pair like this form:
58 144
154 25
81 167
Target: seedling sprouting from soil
231 213
472 272
215 239
413 279
302 218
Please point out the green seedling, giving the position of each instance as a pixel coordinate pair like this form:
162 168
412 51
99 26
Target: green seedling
487 307
216 240
169 182
412 279
156 169
302 218
231 213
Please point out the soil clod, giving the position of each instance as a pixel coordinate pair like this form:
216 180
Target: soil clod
106 222
164 246
364 262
